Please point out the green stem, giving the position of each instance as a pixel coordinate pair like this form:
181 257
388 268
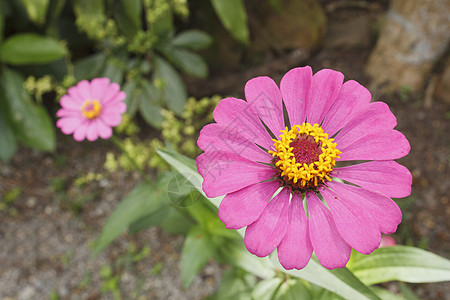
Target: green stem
130 158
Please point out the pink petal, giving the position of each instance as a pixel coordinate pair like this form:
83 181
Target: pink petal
237 116
353 222
114 108
330 248
68 113
68 102
225 172
68 125
111 119
92 131
264 97
385 177
81 131
352 97
381 145
243 207
103 130
112 94
383 210
374 117
295 249
84 90
294 88
325 87
75 93
215 137
99 87
266 233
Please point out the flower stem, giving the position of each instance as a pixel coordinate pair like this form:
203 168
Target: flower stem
130 158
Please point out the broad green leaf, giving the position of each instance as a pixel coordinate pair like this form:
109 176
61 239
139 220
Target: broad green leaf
150 108
128 14
174 91
339 281
32 125
235 284
188 168
141 201
193 39
233 16
407 292
150 220
402 263
190 63
89 67
36 10
176 222
183 194
293 290
385 294
133 98
266 289
8 143
30 48
113 72
197 250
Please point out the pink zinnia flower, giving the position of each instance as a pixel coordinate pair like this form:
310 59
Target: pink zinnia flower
91 109
319 207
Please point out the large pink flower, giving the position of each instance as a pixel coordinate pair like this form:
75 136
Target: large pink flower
288 191
91 109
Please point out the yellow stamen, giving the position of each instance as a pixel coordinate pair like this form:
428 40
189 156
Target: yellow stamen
300 174
91 109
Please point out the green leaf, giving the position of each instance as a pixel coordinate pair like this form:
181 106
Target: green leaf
8 143
36 10
89 7
150 108
266 289
30 48
113 72
233 17
133 97
197 250
150 220
89 67
174 91
188 62
385 294
402 263
176 223
128 14
32 125
235 284
293 290
143 200
193 39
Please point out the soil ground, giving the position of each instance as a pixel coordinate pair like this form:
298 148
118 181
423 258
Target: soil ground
46 233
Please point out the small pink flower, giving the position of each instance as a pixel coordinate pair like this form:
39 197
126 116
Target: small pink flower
387 241
91 109
326 122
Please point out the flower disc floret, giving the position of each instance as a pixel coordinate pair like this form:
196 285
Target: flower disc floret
91 109
304 156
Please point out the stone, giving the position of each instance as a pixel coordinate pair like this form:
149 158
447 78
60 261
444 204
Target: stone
413 37
352 34
442 91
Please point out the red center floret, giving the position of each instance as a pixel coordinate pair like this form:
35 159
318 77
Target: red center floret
306 149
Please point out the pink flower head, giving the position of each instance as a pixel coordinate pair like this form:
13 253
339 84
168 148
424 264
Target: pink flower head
288 190
91 109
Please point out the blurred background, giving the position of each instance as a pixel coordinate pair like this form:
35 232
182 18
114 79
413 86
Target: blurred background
175 60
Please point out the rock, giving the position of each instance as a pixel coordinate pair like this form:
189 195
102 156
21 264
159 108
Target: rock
27 293
412 39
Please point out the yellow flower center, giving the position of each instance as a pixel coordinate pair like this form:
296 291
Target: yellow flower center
91 109
304 156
